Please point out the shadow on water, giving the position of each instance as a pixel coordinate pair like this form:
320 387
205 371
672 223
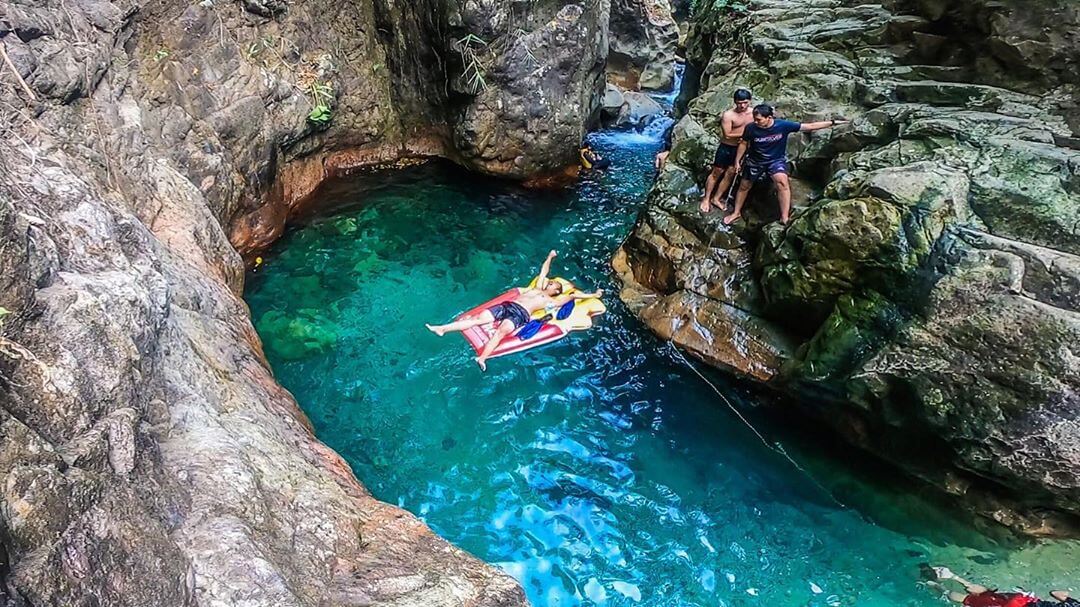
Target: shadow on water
598 470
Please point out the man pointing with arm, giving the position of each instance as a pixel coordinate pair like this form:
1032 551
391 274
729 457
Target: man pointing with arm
763 152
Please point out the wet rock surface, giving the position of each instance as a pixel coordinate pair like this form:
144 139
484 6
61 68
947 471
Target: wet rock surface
925 291
148 455
644 37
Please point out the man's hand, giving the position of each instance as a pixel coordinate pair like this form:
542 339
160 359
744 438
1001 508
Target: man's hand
599 293
552 254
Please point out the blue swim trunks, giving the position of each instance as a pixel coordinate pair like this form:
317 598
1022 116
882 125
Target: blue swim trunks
754 172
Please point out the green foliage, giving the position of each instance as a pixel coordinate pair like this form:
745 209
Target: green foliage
467 48
322 96
161 54
320 116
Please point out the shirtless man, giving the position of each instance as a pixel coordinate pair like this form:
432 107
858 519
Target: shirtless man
732 122
513 314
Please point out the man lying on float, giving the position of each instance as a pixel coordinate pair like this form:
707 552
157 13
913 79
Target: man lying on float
514 313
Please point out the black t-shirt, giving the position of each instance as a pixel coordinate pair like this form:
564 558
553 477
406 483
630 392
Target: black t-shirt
767 145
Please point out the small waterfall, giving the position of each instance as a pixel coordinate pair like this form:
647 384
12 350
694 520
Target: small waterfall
668 99
653 131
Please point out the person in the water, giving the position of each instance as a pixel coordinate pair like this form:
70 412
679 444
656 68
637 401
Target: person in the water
976 595
513 314
763 152
732 122
590 159
665 150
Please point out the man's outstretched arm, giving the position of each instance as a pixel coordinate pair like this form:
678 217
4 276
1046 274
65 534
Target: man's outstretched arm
542 277
560 300
817 126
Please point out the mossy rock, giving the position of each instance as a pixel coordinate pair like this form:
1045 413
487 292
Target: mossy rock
1031 192
839 245
297 336
858 327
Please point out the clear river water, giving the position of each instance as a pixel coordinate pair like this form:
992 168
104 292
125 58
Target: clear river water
599 470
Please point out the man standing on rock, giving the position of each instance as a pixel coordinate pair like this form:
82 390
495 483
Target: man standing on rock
732 122
764 147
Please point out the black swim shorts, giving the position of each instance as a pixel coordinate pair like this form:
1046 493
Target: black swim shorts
725 155
511 311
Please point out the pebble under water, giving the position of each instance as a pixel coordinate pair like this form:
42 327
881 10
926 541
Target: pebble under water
599 470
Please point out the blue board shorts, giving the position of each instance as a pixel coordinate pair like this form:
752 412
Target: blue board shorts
755 172
511 311
725 155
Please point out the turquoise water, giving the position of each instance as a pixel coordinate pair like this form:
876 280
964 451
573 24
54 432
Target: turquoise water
598 470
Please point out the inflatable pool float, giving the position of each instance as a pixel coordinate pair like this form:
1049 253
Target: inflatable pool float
553 330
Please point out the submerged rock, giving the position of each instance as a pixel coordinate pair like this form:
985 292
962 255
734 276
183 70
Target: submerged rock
927 293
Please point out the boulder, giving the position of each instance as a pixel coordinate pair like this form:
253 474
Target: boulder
529 112
613 102
643 40
637 110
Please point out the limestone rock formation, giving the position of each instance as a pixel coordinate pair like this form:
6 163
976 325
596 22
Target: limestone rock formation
541 85
644 36
923 300
148 455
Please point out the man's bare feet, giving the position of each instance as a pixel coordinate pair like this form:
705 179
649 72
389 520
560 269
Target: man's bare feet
785 220
943 573
730 219
436 330
704 206
483 363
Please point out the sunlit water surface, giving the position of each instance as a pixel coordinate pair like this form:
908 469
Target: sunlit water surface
598 470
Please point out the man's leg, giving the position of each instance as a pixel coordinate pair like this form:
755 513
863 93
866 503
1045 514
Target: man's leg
710 185
721 190
740 199
783 192
944 573
482 318
506 327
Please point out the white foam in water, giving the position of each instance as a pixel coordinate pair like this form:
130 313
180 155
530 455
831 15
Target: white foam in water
668 99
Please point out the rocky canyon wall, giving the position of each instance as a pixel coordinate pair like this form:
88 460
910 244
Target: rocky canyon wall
924 300
148 455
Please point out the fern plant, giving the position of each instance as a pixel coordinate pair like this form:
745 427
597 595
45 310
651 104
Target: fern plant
473 76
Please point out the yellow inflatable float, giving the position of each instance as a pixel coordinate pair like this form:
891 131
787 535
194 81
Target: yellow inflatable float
575 315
